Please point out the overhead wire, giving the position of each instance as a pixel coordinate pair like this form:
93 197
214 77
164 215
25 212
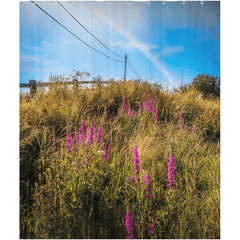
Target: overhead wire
73 33
99 21
130 65
87 30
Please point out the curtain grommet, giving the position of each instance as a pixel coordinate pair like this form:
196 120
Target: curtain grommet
183 2
148 2
128 2
164 2
201 2
90 2
109 2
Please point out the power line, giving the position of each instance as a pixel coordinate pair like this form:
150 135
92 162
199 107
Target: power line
99 21
74 34
86 29
133 69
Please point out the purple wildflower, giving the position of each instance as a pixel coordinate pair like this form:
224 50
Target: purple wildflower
122 110
69 138
180 116
124 102
159 134
133 114
90 135
136 160
132 179
114 115
196 146
148 183
99 134
129 111
82 129
86 163
105 156
152 226
194 129
170 172
54 139
181 127
144 105
129 225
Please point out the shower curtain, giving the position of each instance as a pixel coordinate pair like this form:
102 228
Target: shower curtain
119 120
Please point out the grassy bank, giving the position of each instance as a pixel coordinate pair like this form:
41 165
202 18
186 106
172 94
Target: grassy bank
86 192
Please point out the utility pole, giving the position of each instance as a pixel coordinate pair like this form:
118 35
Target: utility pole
125 66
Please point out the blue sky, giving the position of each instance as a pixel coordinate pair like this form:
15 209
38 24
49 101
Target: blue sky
160 40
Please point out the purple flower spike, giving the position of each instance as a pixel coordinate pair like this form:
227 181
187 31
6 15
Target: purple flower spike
152 226
181 127
196 146
180 116
132 179
136 160
159 134
194 129
133 114
129 111
148 183
129 225
105 156
82 129
99 134
86 163
170 172
77 139
122 110
124 102
90 135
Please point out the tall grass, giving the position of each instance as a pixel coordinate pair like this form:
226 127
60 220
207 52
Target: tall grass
62 197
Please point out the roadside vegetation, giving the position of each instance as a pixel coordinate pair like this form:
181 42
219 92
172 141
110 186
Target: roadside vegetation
127 159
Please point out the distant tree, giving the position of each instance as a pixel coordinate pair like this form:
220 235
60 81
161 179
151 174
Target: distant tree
207 85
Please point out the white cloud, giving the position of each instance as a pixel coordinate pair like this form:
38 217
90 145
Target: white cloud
171 51
45 46
132 45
